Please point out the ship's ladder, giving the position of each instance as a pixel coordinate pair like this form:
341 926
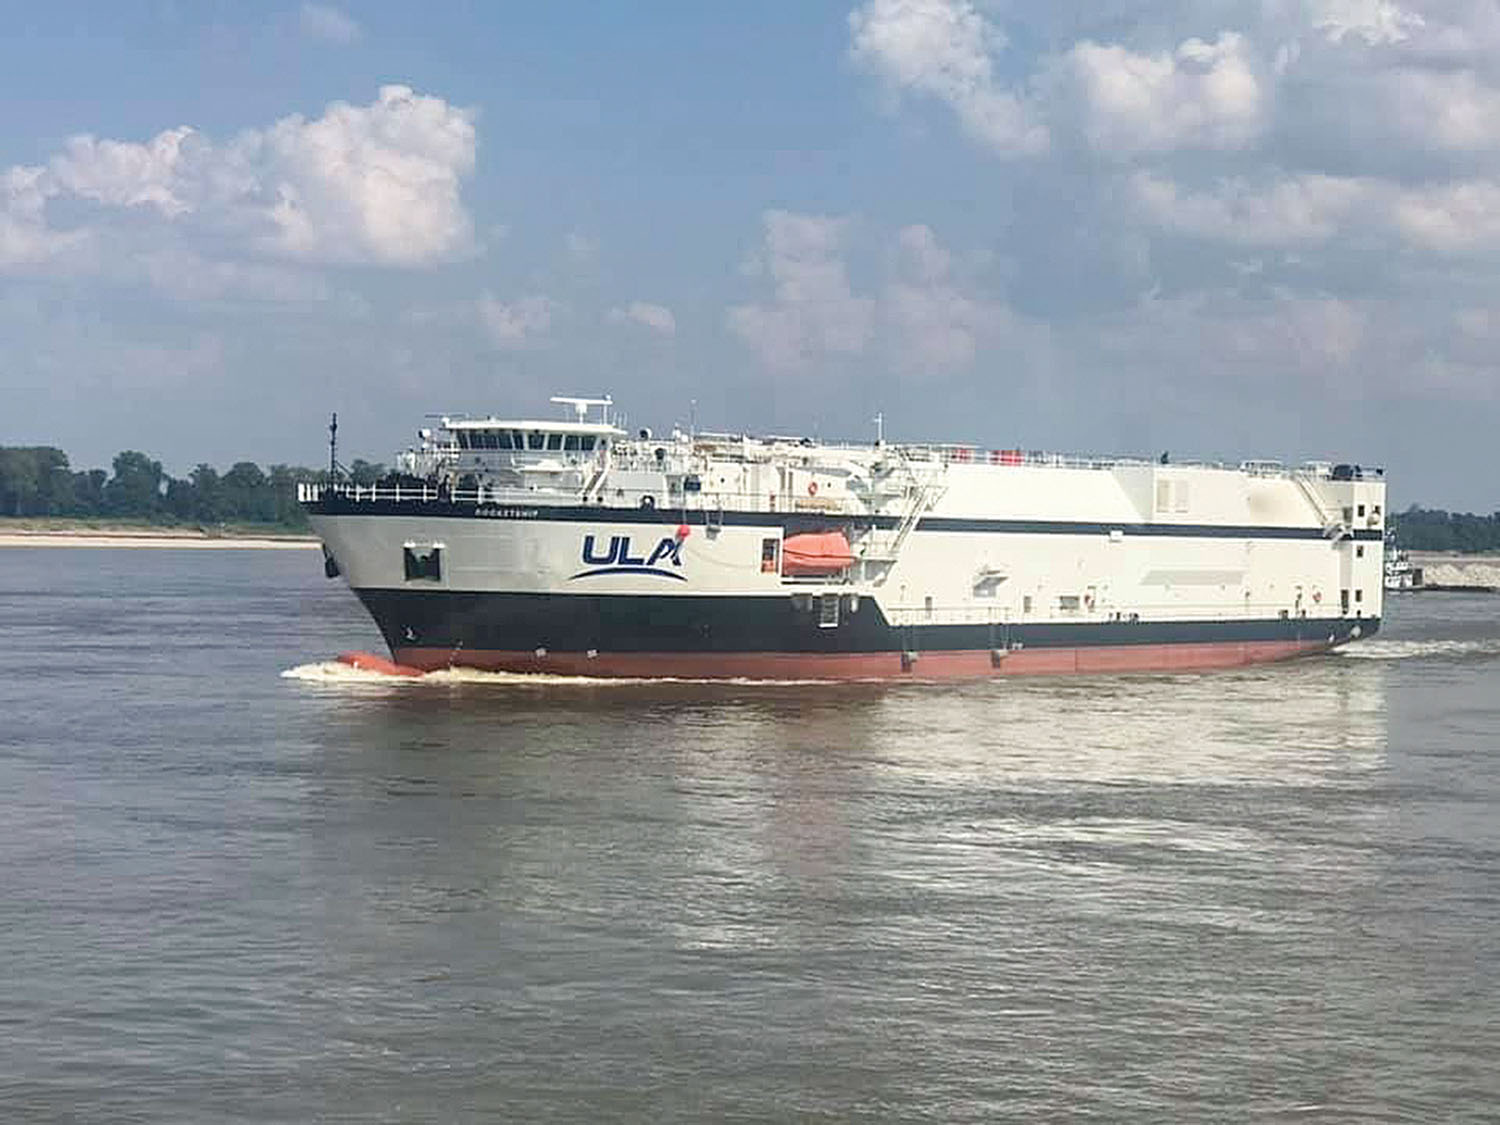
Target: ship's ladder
594 482
925 493
1334 526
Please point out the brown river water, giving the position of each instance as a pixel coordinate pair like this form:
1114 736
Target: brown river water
243 884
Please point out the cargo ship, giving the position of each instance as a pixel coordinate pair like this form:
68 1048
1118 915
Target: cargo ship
577 546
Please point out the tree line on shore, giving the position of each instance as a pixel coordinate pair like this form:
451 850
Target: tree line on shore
38 482
1432 529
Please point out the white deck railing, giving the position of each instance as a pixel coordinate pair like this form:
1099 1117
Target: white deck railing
915 457
697 502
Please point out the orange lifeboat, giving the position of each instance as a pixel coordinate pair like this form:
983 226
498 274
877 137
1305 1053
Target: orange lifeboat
815 553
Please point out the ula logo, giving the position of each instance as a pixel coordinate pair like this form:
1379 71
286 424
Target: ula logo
617 559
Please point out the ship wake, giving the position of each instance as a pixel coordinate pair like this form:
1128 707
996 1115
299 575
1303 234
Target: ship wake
1437 649
337 673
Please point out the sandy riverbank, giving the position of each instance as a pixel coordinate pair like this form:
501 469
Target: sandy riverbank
1450 571
171 538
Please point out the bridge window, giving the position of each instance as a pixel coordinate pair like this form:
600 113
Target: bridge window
586 443
570 443
503 439
536 440
463 439
554 442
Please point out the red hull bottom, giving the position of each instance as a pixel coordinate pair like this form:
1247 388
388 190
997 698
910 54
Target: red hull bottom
962 664
368 662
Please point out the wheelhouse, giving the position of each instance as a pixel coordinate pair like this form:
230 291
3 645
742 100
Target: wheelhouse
533 454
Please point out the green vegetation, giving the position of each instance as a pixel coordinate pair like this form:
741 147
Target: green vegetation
38 482
1431 529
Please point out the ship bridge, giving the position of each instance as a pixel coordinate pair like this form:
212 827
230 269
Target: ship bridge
534 454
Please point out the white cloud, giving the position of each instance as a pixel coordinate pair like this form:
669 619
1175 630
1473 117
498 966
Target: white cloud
935 326
580 249
376 184
926 321
1325 330
813 312
1222 337
1202 95
1373 22
945 49
658 318
922 256
1461 217
327 23
1480 323
101 359
1443 109
1454 218
519 324
25 239
1287 211
123 174
184 275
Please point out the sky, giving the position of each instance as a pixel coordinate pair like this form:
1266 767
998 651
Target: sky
1224 228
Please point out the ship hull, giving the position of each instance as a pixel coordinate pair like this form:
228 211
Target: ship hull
765 638
941 665
991 571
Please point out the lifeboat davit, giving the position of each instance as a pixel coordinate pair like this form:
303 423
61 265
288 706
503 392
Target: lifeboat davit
816 553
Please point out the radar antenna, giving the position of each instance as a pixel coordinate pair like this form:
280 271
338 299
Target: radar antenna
581 406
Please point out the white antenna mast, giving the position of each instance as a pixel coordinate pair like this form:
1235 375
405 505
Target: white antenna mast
880 428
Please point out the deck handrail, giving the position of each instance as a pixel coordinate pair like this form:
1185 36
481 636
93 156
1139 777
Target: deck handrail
312 493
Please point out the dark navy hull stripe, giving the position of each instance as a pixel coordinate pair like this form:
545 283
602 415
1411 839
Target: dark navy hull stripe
696 623
793 522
